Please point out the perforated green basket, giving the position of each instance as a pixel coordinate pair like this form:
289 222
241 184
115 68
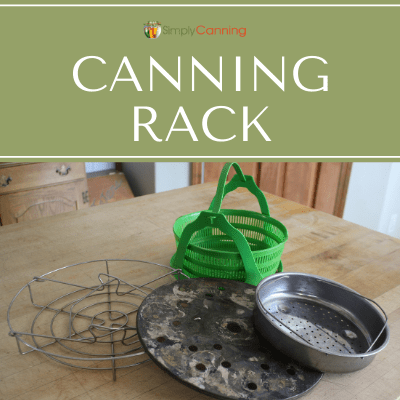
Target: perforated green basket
230 244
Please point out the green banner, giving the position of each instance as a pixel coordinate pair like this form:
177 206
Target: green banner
199 82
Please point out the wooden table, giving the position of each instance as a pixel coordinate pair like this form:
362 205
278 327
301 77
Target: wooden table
141 228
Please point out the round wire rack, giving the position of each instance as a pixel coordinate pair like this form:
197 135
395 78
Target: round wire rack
84 315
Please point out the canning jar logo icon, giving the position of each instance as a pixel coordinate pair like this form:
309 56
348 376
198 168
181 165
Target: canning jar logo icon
152 30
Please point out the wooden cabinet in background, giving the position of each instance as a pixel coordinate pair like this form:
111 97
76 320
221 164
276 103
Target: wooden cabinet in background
30 191
322 186
212 171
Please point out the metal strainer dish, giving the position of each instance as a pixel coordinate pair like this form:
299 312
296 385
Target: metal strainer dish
319 322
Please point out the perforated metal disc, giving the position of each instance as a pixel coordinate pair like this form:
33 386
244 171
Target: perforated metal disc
201 332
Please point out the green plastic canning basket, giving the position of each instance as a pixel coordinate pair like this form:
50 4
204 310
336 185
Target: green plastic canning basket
230 244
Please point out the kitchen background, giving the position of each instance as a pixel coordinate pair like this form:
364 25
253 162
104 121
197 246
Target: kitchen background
364 193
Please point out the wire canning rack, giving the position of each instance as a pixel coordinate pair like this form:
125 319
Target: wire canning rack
84 315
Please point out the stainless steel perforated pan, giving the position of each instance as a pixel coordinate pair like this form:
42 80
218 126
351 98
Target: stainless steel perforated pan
319 322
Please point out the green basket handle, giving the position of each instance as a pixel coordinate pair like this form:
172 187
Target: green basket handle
217 220
238 180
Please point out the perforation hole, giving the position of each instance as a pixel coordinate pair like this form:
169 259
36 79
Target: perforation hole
201 367
291 371
234 327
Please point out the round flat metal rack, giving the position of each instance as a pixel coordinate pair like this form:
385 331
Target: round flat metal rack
201 331
84 315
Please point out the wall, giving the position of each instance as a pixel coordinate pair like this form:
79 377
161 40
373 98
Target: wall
147 177
373 197
140 176
172 175
98 166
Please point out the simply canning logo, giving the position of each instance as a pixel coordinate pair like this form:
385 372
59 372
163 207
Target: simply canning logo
152 30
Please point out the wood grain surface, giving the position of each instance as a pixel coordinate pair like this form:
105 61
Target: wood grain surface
141 228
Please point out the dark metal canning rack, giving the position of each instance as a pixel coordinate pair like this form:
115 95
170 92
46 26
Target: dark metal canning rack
78 318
